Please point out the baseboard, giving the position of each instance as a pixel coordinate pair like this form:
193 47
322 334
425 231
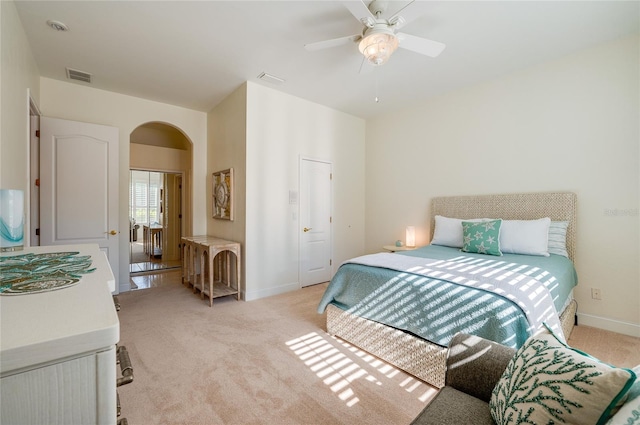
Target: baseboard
612 325
268 292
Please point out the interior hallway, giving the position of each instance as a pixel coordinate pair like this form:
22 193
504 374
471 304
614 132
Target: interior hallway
144 267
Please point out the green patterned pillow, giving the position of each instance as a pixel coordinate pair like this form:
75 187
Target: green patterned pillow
548 382
481 238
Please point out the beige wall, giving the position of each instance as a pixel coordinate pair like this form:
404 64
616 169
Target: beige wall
262 134
160 135
155 158
281 129
226 131
567 125
81 103
18 77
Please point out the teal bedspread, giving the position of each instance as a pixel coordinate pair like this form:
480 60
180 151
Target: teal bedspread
435 309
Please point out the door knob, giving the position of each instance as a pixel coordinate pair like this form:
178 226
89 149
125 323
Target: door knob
112 233
306 229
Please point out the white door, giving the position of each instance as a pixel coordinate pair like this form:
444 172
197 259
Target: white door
315 222
79 185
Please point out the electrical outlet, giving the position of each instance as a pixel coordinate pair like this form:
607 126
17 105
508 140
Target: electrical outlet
595 294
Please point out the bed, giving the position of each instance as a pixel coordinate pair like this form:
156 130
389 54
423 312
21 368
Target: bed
405 307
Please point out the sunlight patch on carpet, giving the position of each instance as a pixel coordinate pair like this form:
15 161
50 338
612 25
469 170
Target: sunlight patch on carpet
338 371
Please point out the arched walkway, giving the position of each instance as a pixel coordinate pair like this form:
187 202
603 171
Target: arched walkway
160 201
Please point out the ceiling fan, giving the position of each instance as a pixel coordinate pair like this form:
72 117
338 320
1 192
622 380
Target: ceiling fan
379 38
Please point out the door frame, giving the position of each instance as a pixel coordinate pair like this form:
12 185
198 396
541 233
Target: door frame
32 221
182 201
301 161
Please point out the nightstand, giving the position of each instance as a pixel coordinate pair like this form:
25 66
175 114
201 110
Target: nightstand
393 248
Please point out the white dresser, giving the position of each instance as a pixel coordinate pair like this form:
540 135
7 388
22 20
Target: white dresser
58 349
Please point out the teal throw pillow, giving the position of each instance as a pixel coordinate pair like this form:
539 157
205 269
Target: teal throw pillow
481 238
548 382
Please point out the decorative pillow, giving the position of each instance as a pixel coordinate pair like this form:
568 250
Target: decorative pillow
548 382
448 231
558 238
481 238
629 414
530 237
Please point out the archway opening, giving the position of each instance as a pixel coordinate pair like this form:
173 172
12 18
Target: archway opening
159 201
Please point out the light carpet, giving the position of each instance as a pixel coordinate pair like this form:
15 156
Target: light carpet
270 361
267 361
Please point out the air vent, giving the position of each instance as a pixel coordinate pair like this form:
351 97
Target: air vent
74 74
270 78
57 25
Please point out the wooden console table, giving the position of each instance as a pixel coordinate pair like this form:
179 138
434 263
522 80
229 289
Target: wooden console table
189 259
196 248
152 237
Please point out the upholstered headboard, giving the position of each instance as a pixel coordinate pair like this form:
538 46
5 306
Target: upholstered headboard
559 206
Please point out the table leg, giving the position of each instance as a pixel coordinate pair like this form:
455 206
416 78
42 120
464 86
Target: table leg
219 268
183 250
227 263
238 268
194 265
201 254
212 256
185 262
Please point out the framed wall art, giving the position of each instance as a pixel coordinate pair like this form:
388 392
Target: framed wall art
223 194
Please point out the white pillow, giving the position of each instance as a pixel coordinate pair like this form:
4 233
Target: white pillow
529 237
448 231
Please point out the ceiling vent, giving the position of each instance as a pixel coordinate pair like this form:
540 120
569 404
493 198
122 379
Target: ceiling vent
270 78
74 74
57 25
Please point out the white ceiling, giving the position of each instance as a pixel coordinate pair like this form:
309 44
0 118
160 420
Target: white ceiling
194 54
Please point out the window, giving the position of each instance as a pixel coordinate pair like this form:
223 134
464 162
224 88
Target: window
144 196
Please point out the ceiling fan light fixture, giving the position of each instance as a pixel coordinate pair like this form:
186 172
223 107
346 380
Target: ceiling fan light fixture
377 47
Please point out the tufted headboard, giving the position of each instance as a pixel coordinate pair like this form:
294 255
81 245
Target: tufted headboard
559 206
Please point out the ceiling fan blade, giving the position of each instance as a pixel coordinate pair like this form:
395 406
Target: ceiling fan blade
420 45
318 45
360 10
